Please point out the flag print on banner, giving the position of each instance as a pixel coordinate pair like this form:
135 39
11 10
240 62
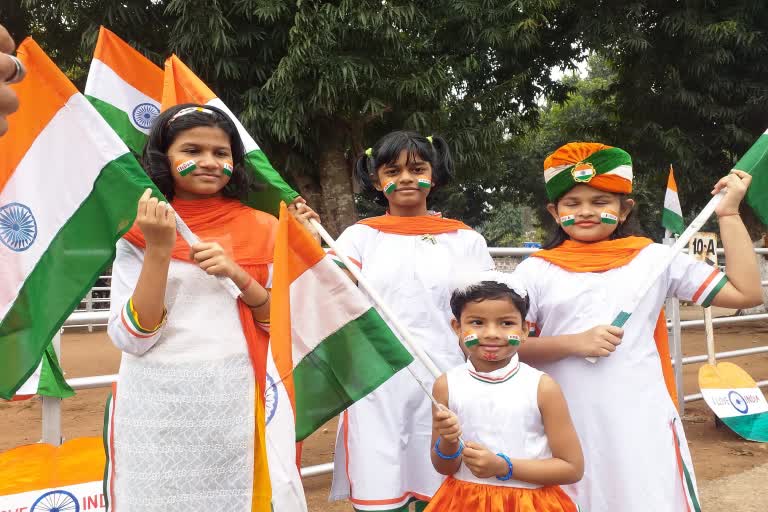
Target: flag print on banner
181 85
672 217
320 367
46 478
125 87
68 192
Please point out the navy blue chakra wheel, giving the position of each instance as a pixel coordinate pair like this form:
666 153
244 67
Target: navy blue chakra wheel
56 501
144 115
270 399
18 228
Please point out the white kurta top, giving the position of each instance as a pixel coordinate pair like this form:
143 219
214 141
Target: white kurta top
184 409
503 415
620 405
382 450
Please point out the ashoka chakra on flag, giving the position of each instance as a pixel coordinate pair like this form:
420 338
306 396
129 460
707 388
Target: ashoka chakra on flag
18 228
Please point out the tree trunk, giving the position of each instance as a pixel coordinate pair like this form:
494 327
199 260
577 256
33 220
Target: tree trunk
338 201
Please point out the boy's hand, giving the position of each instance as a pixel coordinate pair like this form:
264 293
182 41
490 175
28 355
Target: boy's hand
446 424
599 341
737 183
482 462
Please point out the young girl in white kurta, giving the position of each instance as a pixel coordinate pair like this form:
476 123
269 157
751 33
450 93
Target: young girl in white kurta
636 454
186 424
503 432
409 255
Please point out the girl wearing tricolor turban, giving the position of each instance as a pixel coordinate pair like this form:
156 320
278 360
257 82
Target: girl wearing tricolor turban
623 406
409 255
186 425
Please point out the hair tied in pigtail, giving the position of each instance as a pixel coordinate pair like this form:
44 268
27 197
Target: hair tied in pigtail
369 161
429 138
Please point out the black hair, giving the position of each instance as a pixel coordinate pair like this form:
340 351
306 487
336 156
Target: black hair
387 150
629 227
487 290
164 131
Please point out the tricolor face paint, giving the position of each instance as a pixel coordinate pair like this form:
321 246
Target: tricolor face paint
184 168
470 339
609 217
389 188
514 339
227 169
568 220
425 183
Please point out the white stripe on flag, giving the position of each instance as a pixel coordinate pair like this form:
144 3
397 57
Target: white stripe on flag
554 171
248 142
324 279
52 180
672 202
104 84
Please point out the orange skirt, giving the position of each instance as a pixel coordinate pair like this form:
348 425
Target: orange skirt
460 496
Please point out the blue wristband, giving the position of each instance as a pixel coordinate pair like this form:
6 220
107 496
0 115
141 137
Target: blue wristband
508 476
448 457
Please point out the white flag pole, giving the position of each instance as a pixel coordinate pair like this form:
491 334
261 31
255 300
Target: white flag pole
191 240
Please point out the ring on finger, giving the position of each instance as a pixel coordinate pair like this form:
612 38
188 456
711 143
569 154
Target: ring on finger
20 72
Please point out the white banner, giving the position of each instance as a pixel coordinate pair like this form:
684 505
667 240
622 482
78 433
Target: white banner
72 498
727 403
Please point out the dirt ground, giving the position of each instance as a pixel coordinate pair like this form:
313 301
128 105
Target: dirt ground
731 472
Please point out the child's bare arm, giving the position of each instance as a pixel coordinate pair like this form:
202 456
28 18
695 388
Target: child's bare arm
600 341
445 426
743 289
567 463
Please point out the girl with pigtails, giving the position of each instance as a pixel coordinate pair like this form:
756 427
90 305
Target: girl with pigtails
409 255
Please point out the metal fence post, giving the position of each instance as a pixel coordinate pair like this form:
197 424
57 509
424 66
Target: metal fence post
52 407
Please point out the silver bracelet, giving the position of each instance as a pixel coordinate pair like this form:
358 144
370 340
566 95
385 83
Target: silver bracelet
20 73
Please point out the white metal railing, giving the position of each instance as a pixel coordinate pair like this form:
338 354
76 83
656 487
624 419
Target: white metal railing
90 317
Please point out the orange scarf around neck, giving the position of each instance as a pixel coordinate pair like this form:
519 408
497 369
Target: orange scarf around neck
419 225
606 255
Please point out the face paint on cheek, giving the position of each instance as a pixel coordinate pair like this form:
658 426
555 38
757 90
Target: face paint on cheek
424 183
227 169
568 220
609 217
184 168
470 339
389 188
514 339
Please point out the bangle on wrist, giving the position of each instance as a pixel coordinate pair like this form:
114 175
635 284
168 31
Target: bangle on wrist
257 306
508 476
448 457
247 284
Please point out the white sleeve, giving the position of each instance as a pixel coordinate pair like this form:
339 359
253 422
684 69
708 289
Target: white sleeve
350 243
122 329
693 280
480 255
527 271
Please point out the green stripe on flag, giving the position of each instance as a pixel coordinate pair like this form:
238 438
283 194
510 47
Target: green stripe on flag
52 381
672 221
121 123
68 269
621 319
753 427
755 162
343 368
274 189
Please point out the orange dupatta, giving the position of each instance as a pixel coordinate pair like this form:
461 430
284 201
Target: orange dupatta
248 235
419 225
606 255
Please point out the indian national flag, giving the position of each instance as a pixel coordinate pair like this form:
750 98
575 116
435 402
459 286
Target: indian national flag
568 220
68 191
183 86
125 87
755 162
329 348
672 218
609 217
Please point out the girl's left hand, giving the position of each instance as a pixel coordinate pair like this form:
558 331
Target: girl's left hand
737 183
482 462
211 257
303 213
